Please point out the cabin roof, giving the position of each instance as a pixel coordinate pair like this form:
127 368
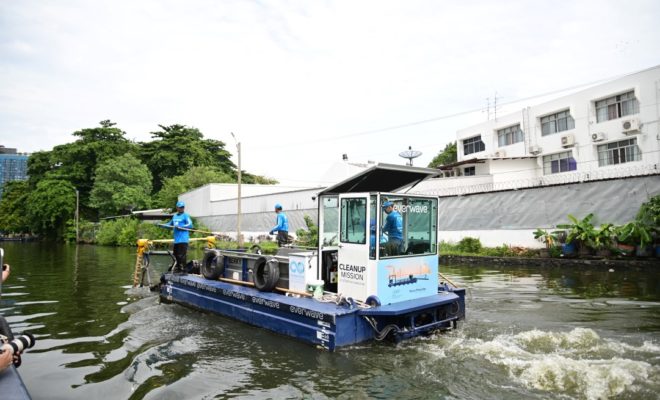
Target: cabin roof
382 178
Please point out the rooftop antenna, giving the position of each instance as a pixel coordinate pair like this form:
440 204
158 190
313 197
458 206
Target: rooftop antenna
493 108
410 154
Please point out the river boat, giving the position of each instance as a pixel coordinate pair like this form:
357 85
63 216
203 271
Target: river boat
11 384
353 287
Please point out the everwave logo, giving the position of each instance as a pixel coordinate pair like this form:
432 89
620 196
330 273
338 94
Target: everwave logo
296 267
416 209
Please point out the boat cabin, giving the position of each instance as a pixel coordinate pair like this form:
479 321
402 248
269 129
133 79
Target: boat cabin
357 258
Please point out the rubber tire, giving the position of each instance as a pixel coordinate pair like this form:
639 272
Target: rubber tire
213 265
266 274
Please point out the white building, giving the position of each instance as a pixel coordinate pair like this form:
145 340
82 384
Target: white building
606 131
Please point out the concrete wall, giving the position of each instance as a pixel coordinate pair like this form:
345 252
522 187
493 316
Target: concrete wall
510 217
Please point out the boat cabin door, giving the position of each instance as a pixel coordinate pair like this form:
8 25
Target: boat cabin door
353 255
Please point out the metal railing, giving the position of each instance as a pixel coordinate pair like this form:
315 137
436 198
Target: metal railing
546 180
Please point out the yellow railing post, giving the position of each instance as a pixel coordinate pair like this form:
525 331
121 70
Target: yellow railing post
143 246
210 242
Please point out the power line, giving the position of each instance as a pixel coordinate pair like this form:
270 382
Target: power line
442 117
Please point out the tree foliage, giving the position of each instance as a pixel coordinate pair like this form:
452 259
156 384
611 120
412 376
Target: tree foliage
121 184
178 148
446 156
49 206
14 207
310 236
102 164
76 162
257 179
191 179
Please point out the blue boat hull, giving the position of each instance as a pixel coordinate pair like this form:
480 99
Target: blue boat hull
327 325
12 386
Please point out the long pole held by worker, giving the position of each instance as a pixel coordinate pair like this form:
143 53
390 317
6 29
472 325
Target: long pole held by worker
188 229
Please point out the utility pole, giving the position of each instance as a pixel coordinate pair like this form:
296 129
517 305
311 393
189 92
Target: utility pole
239 237
77 216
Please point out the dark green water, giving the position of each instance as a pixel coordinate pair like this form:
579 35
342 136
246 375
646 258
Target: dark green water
530 334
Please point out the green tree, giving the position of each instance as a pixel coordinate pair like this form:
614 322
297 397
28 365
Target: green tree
121 184
13 207
191 179
178 148
77 162
310 236
446 156
249 178
50 206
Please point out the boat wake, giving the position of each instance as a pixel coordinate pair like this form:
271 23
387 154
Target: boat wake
578 363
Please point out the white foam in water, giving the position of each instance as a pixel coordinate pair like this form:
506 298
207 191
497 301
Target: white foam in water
577 363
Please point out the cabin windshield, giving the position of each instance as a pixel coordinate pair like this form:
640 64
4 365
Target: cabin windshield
419 227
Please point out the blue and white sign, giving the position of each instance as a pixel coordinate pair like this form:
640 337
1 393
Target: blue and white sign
409 278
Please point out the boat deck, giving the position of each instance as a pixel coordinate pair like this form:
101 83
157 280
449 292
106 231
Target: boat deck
324 324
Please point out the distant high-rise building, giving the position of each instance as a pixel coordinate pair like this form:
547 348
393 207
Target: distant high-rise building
13 166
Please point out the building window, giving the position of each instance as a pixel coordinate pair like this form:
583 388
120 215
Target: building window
560 162
469 171
618 152
558 122
509 135
473 145
617 106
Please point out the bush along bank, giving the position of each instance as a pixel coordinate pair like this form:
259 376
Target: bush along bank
581 238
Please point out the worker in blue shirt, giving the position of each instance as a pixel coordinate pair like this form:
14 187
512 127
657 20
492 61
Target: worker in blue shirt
282 227
372 239
181 223
394 229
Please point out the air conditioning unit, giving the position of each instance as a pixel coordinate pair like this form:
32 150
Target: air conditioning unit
567 140
598 136
534 149
499 154
630 126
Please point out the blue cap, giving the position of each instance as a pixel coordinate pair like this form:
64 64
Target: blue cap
180 204
387 204
278 206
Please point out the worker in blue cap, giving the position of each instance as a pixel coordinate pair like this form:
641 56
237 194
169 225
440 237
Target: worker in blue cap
373 239
394 229
181 224
282 227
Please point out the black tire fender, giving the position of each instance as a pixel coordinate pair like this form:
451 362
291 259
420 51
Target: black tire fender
266 273
213 265
373 301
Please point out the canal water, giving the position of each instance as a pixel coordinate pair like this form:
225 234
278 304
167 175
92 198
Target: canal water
531 333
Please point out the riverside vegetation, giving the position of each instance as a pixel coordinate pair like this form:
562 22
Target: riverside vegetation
111 176
639 237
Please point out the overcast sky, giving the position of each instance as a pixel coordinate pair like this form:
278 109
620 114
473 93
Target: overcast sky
302 82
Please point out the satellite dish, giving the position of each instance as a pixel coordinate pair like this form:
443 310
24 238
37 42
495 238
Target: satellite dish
410 154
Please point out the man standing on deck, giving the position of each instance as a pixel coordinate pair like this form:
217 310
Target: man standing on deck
282 227
181 224
394 229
